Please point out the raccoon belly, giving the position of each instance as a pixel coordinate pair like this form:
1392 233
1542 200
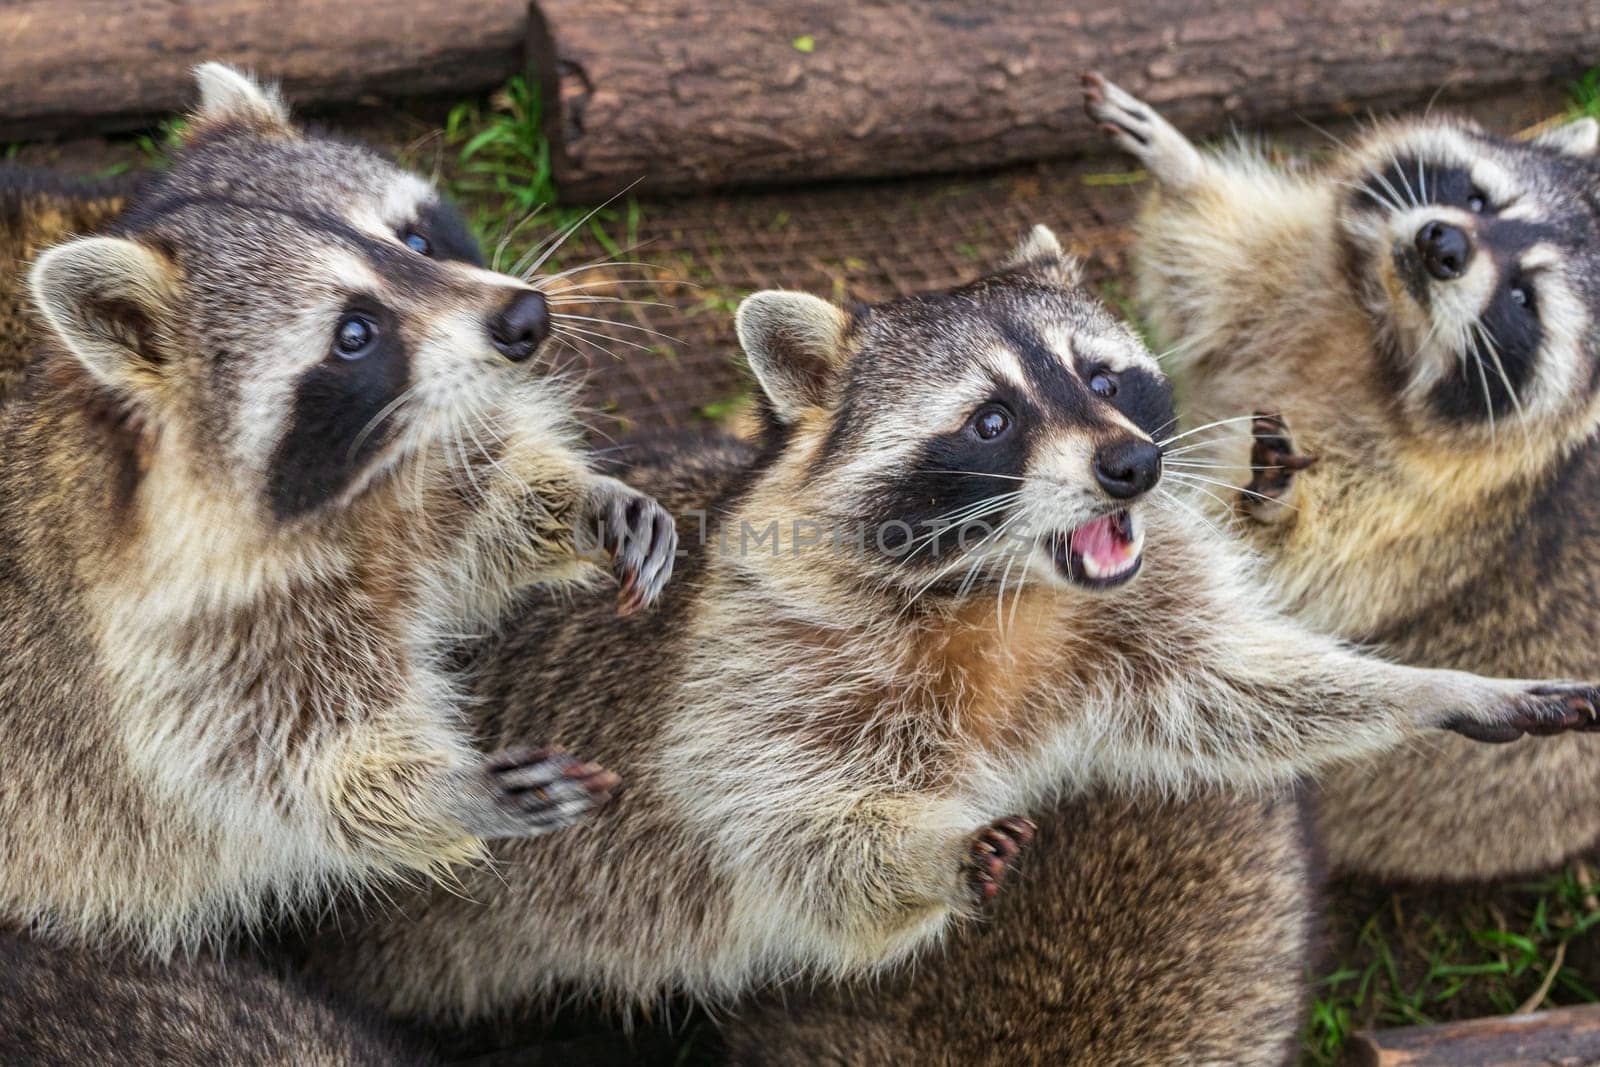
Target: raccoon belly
1140 932
71 1006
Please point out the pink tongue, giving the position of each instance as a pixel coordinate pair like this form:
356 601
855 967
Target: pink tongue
1100 541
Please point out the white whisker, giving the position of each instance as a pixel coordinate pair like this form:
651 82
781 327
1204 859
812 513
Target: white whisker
1217 422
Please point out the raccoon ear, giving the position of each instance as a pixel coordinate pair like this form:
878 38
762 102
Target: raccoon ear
1577 138
105 297
1041 253
795 343
229 97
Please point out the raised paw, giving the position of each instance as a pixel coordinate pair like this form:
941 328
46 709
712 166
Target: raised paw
1135 127
992 856
1120 115
1273 465
642 541
524 792
1541 711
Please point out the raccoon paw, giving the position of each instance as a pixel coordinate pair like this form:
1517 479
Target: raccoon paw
642 542
1541 711
525 792
992 856
1133 126
1273 465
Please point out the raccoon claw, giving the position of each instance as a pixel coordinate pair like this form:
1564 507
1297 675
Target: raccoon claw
1541 712
524 792
1273 464
992 855
1120 116
1133 127
642 542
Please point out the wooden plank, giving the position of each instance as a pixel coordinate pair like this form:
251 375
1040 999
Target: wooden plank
1565 1036
69 66
693 93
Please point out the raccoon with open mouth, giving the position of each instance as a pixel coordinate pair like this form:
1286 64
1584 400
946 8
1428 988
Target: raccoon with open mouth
938 595
1420 317
280 441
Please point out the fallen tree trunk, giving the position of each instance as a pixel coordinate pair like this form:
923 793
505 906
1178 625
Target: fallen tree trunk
686 94
1566 1035
71 66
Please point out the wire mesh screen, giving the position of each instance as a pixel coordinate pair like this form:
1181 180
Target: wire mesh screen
669 361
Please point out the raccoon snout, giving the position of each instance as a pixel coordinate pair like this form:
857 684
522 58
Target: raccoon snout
521 325
1128 467
1445 249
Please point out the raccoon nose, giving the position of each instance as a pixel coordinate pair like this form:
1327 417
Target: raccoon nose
1445 249
519 327
1128 467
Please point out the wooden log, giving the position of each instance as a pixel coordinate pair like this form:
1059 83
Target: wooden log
69 66
692 93
1543 1039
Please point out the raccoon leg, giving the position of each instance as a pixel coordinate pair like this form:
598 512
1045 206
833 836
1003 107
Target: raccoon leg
637 535
1269 495
874 876
524 792
1137 129
548 518
1301 712
993 854
424 807
1266 699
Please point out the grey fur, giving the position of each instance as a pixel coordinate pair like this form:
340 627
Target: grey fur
1462 535
227 594
825 748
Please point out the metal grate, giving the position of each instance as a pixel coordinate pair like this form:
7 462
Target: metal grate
862 241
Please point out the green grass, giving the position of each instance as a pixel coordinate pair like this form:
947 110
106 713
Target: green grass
501 174
1585 94
1420 957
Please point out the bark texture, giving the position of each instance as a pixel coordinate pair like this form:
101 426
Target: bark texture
71 66
1545 1039
686 94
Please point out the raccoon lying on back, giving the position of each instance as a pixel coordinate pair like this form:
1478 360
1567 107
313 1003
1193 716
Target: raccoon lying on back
279 445
1424 313
830 726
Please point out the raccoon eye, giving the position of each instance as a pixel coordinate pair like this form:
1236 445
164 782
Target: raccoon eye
991 422
416 242
1522 296
354 336
1104 384
1477 203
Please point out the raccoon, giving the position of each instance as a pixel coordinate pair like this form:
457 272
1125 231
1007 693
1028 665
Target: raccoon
942 591
1146 931
39 209
69 1005
1422 317
281 445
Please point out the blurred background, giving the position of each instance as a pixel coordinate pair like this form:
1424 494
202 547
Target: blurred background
674 155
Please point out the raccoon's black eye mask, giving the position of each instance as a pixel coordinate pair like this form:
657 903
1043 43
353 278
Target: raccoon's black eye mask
439 232
1411 181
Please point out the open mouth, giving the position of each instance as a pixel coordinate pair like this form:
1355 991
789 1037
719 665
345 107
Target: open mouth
1101 553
